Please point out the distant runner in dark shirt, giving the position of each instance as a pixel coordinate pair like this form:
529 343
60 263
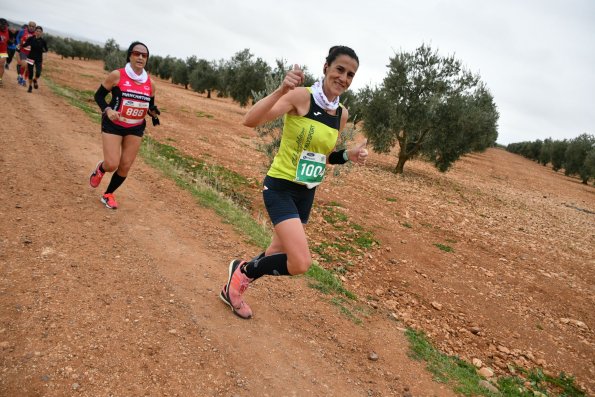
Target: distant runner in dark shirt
37 47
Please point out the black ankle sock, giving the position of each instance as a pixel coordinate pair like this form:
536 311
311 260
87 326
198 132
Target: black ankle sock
273 265
115 182
101 168
257 257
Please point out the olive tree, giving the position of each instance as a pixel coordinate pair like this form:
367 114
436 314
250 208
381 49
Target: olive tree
204 77
576 154
431 106
242 75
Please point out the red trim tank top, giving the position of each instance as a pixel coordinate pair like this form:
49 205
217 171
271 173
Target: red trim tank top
133 102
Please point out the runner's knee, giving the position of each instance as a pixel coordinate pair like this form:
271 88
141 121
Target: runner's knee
110 166
299 264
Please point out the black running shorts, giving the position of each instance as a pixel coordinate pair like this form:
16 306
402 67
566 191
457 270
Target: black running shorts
110 128
284 200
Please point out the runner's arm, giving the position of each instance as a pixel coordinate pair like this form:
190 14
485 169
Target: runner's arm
111 80
289 97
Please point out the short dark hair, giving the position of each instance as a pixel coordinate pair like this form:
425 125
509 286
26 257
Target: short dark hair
337 50
3 21
135 43
39 27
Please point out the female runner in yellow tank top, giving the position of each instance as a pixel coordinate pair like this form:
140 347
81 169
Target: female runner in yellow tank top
313 119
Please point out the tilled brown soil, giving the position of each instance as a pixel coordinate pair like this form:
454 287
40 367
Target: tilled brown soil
124 303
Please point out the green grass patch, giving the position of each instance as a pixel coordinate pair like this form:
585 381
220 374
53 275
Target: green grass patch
391 199
231 184
445 369
445 248
357 227
327 282
349 310
206 195
345 240
203 114
407 225
363 239
463 377
81 99
333 216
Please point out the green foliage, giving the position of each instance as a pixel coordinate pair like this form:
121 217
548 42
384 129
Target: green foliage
166 68
271 131
431 106
113 57
576 154
180 73
542 152
153 64
590 164
545 154
242 75
70 48
558 154
111 46
352 102
204 76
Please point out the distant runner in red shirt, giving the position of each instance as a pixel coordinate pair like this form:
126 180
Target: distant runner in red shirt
24 52
123 122
4 37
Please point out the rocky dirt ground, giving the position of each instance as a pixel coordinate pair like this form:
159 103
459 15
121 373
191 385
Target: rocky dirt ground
96 302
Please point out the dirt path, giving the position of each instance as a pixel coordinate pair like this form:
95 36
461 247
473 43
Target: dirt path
124 303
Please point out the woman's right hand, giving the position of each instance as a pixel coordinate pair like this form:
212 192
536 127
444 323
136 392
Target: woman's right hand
294 78
112 114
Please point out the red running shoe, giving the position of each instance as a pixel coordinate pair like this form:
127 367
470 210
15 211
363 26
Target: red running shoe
232 292
96 176
109 200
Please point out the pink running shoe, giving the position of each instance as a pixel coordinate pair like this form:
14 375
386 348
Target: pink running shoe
109 200
232 292
96 176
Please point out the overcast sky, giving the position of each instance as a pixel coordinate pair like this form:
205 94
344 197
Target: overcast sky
536 56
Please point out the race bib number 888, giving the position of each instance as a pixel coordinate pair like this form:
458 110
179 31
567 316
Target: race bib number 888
134 110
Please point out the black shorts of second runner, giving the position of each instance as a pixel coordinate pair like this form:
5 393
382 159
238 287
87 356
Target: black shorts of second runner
284 200
110 128
38 67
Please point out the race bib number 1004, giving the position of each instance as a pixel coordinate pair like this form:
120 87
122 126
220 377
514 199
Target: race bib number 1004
311 168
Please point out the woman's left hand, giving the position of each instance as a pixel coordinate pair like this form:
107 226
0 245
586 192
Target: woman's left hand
359 153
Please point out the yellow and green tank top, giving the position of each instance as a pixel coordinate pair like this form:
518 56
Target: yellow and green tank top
305 144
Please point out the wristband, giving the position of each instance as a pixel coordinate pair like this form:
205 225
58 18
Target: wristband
337 157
